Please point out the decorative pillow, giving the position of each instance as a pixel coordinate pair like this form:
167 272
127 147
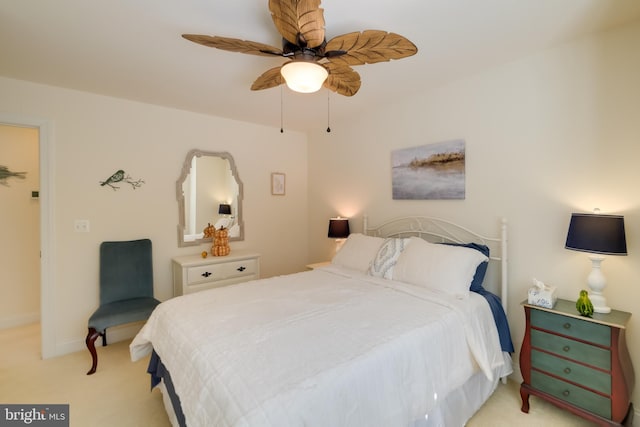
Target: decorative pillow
443 268
385 260
481 271
357 252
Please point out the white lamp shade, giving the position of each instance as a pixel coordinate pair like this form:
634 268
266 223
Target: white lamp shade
304 76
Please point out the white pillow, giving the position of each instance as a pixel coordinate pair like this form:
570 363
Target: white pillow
442 268
387 256
358 252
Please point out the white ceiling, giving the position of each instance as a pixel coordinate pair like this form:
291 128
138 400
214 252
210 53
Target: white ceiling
132 48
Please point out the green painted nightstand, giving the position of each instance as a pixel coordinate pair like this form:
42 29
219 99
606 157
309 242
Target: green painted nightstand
578 363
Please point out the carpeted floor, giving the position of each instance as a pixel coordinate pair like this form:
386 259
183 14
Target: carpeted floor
118 393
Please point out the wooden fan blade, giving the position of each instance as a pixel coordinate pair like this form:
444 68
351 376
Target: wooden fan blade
342 79
268 79
369 47
300 22
234 45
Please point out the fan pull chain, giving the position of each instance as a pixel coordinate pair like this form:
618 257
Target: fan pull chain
281 114
328 112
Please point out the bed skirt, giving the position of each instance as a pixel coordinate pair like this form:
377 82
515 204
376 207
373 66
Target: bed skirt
454 410
160 377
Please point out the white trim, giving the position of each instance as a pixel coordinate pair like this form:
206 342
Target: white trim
19 320
47 237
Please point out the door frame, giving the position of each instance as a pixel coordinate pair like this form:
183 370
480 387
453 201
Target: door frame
47 238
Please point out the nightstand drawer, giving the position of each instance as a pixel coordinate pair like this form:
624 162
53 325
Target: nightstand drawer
570 371
192 273
580 329
575 395
222 271
565 347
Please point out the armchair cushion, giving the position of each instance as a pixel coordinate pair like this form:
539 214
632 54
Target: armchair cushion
126 270
120 312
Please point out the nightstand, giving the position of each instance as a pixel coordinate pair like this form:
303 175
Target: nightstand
578 363
318 265
192 273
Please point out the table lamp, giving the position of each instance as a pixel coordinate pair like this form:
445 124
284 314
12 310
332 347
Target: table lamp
598 235
338 228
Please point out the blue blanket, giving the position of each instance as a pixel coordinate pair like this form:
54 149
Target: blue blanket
500 317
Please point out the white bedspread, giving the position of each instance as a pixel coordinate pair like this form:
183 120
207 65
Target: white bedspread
326 347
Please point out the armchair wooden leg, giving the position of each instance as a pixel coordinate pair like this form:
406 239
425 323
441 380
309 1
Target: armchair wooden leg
92 336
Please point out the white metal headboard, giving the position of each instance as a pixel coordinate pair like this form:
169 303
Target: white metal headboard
437 230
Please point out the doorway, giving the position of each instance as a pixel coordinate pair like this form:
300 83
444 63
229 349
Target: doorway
19 226
43 256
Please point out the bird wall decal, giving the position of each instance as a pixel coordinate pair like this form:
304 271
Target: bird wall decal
5 174
121 176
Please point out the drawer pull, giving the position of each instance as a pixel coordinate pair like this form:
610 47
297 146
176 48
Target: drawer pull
567 370
206 274
566 348
241 268
565 393
567 325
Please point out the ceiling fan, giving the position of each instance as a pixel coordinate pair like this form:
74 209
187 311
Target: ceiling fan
314 62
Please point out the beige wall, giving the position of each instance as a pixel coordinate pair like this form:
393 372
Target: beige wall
19 222
93 136
551 134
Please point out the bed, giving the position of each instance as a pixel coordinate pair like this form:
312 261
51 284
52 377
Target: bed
398 330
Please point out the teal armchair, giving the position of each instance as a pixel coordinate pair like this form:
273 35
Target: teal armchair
126 290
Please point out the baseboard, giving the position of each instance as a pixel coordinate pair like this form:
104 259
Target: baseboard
114 335
19 320
516 376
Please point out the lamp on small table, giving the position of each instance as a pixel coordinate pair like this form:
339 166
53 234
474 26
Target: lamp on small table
599 235
338 228
224 209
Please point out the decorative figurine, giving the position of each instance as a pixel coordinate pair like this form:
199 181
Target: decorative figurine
220 242
584 306
208 231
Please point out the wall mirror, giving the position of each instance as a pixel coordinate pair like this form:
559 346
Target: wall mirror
207 181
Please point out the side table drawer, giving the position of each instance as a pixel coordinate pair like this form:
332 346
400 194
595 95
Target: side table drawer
222 271
575 395
575 328
218 284
565 347
570 371
192 273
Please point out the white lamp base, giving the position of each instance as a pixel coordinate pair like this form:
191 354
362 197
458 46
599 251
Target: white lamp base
599 303
597 283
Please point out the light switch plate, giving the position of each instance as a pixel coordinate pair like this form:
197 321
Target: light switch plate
81 226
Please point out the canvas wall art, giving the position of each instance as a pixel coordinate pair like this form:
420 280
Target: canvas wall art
429 172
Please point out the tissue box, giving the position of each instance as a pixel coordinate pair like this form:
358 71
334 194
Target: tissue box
543 297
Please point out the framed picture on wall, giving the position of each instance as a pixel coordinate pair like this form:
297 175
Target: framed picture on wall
429 172
278 184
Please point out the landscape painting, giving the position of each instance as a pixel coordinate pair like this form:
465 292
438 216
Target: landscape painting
429 172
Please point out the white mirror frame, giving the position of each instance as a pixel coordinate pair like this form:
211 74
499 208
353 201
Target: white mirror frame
186 169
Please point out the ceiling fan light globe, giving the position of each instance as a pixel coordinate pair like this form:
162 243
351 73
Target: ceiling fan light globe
303 76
